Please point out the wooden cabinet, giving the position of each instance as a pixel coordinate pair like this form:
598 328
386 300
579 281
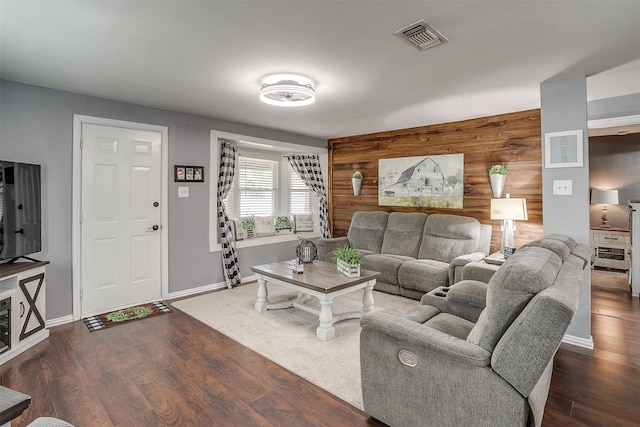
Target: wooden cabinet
611 247
23 285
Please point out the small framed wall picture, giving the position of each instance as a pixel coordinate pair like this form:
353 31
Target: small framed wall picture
179 172
563 149
185 173
198 174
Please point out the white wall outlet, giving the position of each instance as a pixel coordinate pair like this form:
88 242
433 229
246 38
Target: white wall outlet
562 187
183 191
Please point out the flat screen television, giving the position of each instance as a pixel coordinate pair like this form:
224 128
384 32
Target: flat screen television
20 210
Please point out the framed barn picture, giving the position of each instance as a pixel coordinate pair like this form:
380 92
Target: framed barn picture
422 181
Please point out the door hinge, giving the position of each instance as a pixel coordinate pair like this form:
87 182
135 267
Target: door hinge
81 143
81 217
81 293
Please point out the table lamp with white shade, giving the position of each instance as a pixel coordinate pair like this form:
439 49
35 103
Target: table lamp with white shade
508 210
604 197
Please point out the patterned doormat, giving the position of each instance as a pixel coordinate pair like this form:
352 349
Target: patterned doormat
125 315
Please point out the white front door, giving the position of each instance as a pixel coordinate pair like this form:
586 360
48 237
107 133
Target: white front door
120 217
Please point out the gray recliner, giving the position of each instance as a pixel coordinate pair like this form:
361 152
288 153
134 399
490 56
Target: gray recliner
475 354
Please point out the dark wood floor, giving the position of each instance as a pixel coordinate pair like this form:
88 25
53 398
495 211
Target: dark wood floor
171 370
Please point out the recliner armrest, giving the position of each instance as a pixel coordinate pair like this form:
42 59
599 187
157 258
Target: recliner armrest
456 265
327 245
414 336
469 292
465 299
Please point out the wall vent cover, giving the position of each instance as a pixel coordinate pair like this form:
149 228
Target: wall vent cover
421 35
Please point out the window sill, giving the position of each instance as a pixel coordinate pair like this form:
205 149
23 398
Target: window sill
270 240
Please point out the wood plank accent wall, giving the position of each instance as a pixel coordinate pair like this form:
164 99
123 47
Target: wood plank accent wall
512 139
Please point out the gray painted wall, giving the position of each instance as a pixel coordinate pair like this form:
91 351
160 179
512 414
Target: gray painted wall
36 125
564 108
614 162
619 106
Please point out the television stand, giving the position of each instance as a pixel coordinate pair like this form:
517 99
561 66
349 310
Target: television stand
22 286
12 260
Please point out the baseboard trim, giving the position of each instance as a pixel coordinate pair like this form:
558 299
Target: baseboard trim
50 323
198 290
206 288
60 321
577 344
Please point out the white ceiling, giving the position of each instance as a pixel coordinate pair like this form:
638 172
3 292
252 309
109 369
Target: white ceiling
209 57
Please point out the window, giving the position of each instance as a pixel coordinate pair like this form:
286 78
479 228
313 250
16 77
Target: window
264 184
300 197
258 186
255 187
256 190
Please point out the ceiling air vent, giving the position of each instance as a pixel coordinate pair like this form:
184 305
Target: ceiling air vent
421 35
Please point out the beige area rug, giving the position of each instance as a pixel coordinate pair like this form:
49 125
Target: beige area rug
288 336
610 279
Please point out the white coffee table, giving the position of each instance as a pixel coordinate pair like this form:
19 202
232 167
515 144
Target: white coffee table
321 280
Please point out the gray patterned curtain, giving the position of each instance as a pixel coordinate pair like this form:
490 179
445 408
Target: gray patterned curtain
308 167
225 181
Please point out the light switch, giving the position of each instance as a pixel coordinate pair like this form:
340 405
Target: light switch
562 187
183 191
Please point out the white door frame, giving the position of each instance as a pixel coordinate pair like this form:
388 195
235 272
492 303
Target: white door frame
76 237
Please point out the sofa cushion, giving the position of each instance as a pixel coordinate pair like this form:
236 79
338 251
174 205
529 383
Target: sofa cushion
423 274
450 325
530 270
443 322
386 265
421 313
367 230
404 233
448 236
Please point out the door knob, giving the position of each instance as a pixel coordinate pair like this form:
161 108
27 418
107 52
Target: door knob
156 204
154 227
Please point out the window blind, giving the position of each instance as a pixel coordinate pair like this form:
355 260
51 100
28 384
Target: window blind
299 196
258 186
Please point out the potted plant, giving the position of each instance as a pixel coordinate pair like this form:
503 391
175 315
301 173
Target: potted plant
348 260
356 182
497 177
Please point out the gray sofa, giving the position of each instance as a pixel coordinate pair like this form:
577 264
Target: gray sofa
414 252
475 354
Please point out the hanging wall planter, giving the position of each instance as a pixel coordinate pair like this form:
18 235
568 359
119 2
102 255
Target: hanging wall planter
497 178
356 182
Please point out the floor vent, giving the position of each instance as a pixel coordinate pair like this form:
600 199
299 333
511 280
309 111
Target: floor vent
421 35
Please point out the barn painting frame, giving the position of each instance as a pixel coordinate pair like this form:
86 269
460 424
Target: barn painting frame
422 181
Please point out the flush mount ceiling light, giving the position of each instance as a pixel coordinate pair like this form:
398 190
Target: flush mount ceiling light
287 93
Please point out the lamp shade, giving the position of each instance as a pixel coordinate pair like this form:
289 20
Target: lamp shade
509 209
606 197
